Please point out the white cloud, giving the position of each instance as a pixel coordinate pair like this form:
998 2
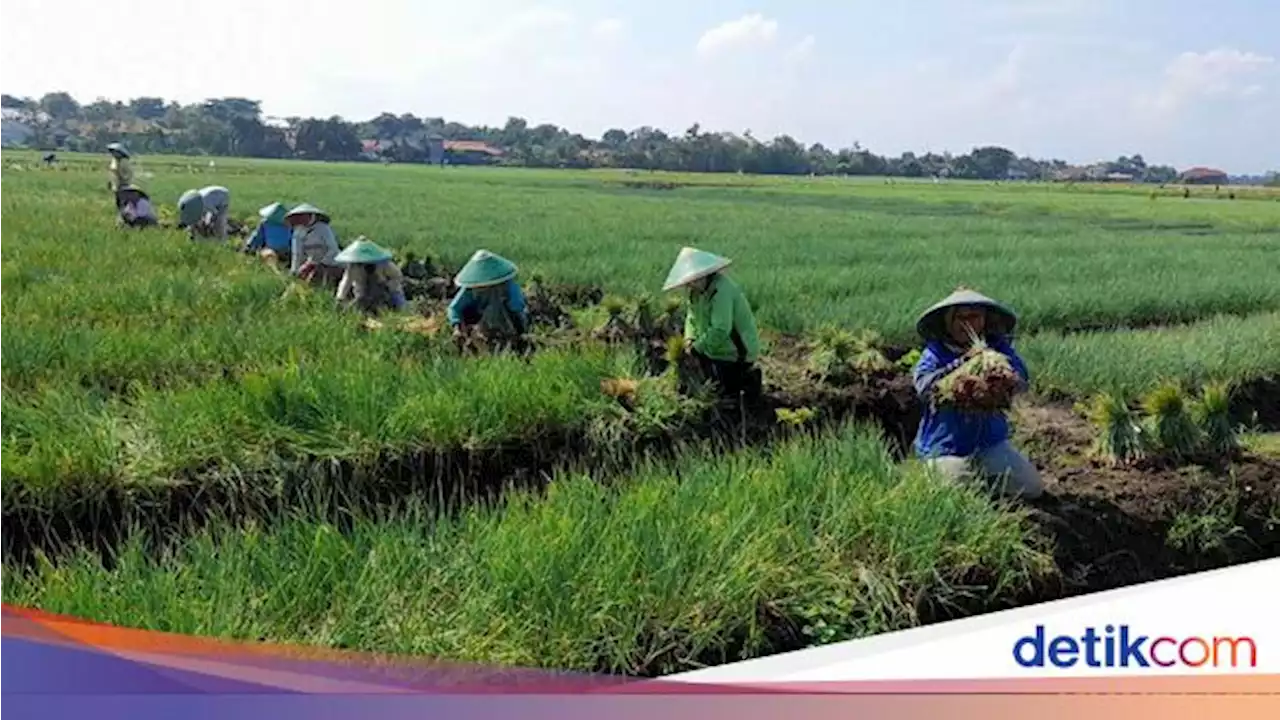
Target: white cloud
802 50
608 28
1218 72
746 31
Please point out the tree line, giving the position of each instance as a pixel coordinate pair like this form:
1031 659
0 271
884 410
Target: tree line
235 126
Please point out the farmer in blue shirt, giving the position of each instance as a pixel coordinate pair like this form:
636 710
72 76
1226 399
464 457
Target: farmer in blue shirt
962 444
490 300
271 236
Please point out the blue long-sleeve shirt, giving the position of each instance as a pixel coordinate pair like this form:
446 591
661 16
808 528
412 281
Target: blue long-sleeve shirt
270 235
947 431
471 300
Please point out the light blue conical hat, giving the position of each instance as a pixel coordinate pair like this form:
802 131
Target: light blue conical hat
931 325
362 251
692 264
273 213
190 208
484 269
118 148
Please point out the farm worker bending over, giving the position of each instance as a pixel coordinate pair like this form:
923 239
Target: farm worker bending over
135 210
372 281
313 248
205 211
121 170
272 237
963 442
490 299
719 327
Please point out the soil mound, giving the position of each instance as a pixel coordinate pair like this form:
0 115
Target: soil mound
1116 526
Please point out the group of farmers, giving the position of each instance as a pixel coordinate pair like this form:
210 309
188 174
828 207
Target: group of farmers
720 329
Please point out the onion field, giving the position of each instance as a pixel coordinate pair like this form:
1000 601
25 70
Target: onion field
194 442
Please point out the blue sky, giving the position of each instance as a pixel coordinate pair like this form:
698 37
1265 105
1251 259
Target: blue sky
1184 82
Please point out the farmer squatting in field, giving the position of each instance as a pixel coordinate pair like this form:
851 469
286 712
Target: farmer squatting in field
490 300
135 207
720 329
314 247
205 212
272 238
962 441
372 281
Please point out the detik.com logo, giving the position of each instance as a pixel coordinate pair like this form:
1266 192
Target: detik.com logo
1122 647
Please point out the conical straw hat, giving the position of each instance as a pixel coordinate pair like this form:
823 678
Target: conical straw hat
307 209
692 264
362 251
931 324
484 269
190 208
273 213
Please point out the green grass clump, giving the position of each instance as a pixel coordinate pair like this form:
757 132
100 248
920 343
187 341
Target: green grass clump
1120 438
1171 427
653 574
1212 413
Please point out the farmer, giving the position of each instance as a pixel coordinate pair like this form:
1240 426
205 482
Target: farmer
313 248
490 302
135 208
960 443
205 211
719 327
121 170
372 280
271 239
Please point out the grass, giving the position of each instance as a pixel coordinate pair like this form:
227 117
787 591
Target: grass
1131 362
861 254
651 574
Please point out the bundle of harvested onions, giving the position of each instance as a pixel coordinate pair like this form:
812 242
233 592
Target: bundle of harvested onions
985 382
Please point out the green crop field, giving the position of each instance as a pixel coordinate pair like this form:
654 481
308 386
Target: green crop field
144 373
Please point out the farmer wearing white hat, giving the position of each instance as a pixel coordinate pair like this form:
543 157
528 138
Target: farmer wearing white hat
205 211
490 300
313 249
719 328
962 444
135 208
121 171
372 280
271 239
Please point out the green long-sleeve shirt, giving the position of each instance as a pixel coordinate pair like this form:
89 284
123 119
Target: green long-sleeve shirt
714 315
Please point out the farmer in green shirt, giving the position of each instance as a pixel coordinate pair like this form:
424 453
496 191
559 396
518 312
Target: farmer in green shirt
719 328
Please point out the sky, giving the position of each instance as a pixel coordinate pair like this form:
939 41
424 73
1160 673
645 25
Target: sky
1183 82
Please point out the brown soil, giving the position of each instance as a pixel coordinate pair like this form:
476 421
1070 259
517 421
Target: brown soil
1114 526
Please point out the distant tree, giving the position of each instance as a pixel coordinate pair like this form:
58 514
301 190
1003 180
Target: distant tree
60 106
147 108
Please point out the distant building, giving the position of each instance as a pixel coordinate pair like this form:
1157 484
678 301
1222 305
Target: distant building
371 149
439 150
470 152
1203 176
1120 177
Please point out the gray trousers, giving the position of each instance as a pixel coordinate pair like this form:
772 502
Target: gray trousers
1002 466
